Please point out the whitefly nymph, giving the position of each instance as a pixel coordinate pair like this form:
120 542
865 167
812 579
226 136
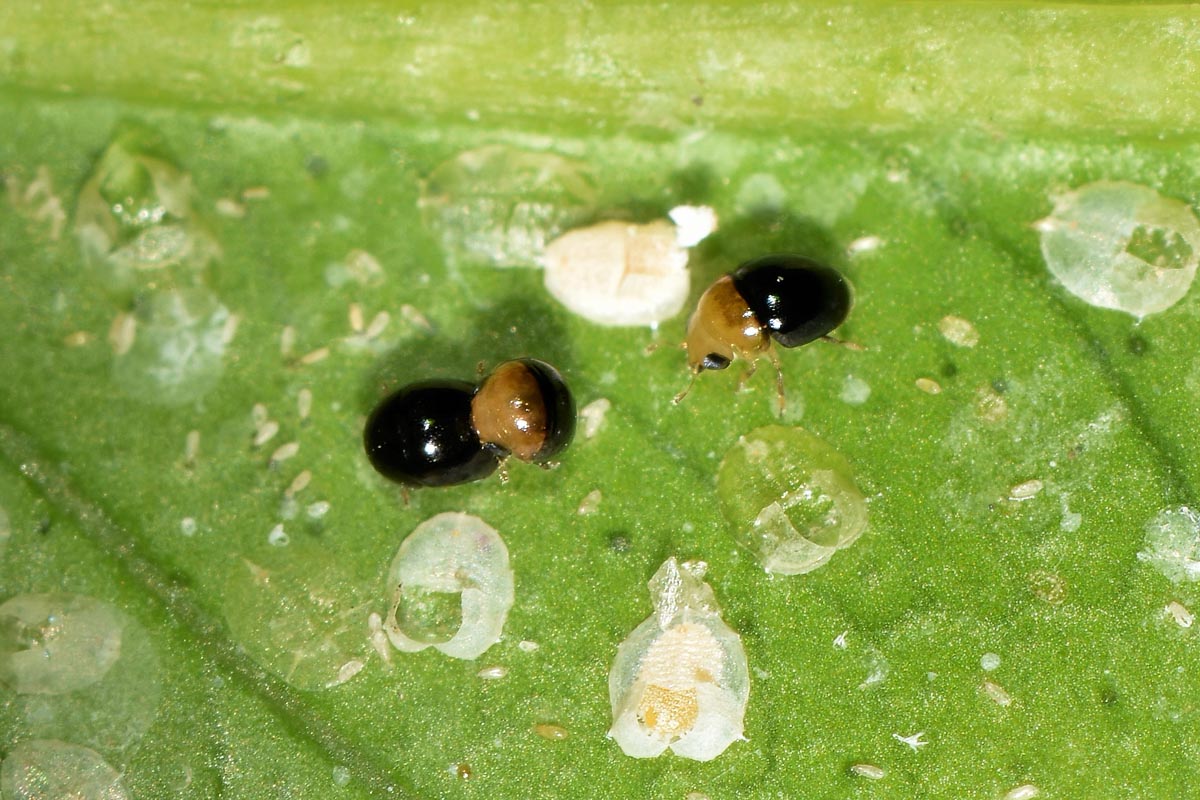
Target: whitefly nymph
680 680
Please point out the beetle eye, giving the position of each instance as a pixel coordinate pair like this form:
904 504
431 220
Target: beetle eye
715 361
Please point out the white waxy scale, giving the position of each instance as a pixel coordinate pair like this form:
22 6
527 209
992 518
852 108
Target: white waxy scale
453 587
680 680
864 244
855 391
493 673
278 536
378 325
191 447
5 530
498 205
590 503
791 499
620 273
287 341
298 484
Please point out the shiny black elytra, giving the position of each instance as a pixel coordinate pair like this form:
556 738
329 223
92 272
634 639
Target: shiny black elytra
796 299
422 436
440 433
786 298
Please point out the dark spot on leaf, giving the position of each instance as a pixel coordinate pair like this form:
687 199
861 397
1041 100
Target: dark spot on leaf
317 166
179 580
619 543
692 184
1138 345
1000 386
949 369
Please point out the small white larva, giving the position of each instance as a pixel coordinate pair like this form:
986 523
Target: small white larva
122 332
304 404
378 325
997 693
259 415
287 341
266 432
284 452
868 771
312 357
493 673
191 447
680 680
299 484
415 318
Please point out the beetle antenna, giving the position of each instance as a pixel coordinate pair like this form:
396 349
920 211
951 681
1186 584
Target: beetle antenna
654 346
679 397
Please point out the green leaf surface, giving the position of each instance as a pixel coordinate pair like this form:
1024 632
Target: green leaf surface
250 668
